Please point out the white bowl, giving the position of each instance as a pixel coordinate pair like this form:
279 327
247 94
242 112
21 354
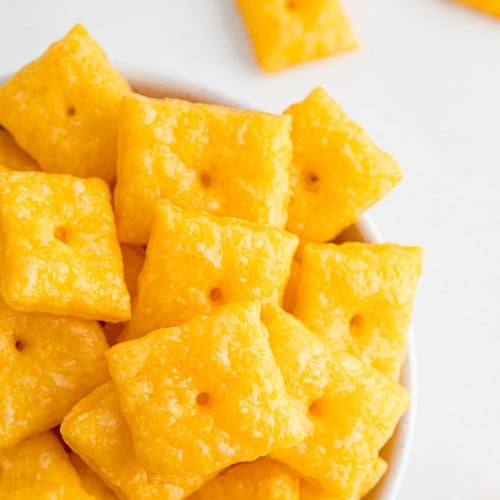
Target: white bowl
397 449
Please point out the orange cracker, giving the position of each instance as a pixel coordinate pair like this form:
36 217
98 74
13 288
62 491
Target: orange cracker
47 364
58 248
203 396
287 32
196 262
337 171
359 297
489 6
200 157
63 107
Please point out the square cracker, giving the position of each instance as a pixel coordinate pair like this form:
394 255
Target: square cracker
203 396
337 171
38 467
47 364
195 262
262 479
12 156
96 430
67 100
359 297
353 419
58 248
200 157
286 32
352 409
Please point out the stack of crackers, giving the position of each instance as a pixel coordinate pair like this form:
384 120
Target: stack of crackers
176 318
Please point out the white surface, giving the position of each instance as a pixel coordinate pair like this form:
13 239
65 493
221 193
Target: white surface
426 84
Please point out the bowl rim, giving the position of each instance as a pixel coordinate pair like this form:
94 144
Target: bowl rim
157 83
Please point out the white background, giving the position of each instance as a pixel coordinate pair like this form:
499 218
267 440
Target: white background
426 85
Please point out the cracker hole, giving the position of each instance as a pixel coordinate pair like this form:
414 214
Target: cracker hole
356 321
61 234
317 408
19 345
216 294
71 111
311 181
203 398
205 179
291 5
